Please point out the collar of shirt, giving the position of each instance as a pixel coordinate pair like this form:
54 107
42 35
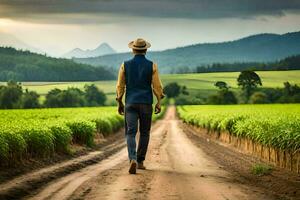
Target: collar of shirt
139 55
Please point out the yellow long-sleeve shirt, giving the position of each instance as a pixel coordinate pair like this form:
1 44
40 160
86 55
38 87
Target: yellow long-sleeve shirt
156 83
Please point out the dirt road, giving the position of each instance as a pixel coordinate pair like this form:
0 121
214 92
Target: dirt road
176 169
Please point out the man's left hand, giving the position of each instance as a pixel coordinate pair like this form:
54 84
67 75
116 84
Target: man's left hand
120 108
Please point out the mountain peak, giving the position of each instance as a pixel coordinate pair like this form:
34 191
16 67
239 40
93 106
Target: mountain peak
104 44
102 49
77 50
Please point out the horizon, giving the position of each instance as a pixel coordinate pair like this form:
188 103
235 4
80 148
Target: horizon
117 52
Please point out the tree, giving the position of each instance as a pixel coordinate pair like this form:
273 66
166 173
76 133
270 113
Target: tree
10 95
72 97
30 99
290 93
273 94
290 90
248 80
221 85
184 90
259 98
224 96
94 96
172 90
52 99
227 97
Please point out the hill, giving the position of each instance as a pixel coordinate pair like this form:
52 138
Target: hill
288 63
26 66
102 49
256 48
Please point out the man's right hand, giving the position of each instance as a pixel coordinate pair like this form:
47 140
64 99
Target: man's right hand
157 108
120 108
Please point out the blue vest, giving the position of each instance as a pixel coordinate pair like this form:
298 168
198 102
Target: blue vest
138 77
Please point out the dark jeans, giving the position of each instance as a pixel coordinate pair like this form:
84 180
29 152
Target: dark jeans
135 113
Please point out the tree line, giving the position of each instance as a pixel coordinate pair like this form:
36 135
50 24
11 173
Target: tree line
26 66
289 63
12 96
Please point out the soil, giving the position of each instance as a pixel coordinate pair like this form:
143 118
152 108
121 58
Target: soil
33 164
180 164
281 183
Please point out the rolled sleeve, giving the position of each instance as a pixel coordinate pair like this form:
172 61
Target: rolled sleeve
121 83
156 83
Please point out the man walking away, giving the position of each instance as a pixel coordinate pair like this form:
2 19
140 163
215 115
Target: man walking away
139 77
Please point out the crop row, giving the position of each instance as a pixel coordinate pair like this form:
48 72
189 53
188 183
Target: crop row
276 126
43 132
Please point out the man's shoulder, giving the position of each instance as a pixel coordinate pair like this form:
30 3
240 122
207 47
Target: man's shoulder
128 61
150 61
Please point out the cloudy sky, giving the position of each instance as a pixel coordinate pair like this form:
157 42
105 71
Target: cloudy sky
57 26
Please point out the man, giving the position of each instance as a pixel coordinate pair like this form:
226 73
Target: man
139 77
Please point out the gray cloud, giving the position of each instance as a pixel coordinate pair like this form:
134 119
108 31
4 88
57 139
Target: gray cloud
82 11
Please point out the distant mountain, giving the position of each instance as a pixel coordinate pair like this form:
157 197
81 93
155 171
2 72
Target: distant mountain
103 49
7 40
26 66
255 48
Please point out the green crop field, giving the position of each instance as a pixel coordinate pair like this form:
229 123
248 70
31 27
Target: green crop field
41 132
196 83
276 125
270 132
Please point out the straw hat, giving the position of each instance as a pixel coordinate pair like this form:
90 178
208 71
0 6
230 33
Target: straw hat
139 44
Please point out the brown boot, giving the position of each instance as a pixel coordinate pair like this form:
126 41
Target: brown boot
141 166
132 168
